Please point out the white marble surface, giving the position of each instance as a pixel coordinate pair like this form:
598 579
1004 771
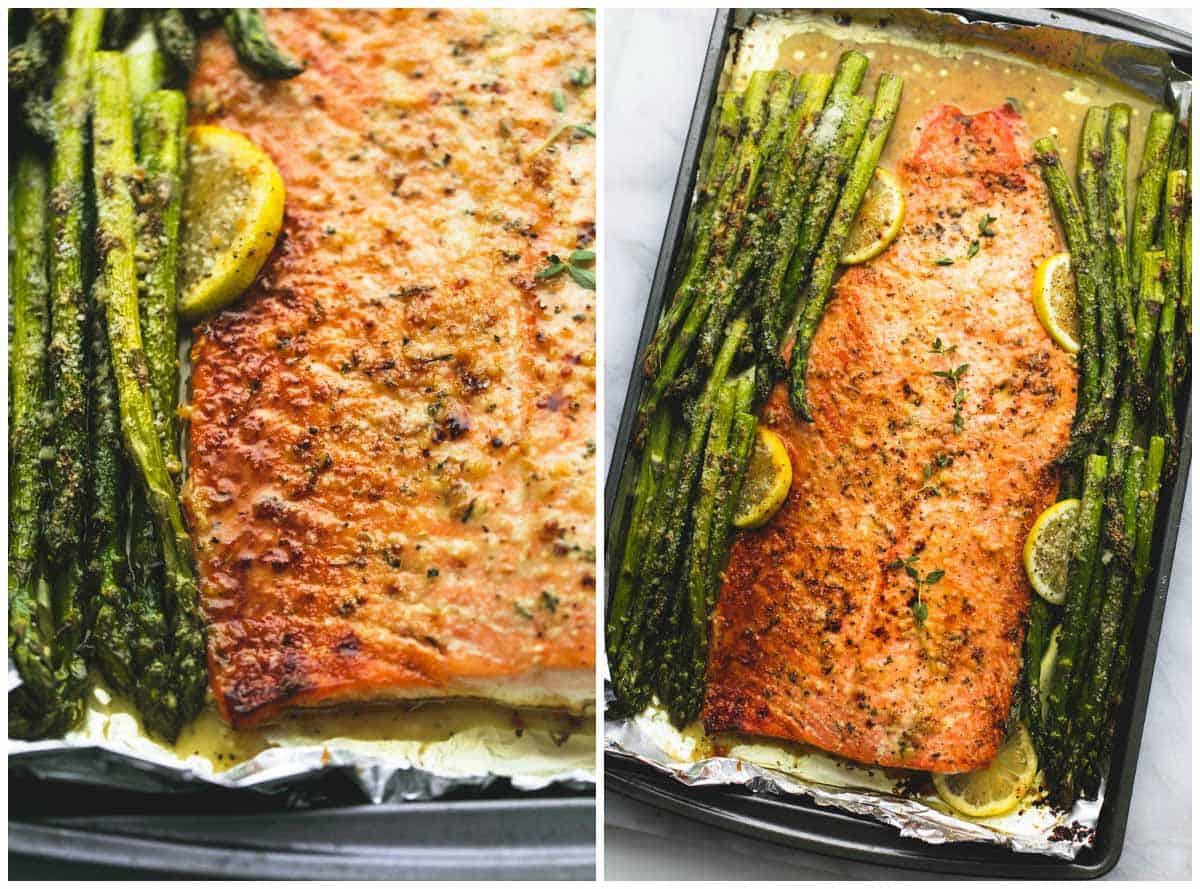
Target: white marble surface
652 62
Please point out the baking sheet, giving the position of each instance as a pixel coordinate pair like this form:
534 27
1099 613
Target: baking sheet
902 799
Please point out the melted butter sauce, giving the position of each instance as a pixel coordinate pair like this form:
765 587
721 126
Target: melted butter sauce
418 725
973 77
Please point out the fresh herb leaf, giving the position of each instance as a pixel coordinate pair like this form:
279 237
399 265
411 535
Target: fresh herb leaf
912 572
973 249
985 226
934 576
554 266
582 77
559 101
549 601
895 564
585 128
582 256
937 348
920 612
943 260
958 421
583 277
589 15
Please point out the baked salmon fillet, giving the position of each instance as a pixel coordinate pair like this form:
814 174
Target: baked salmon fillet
391 456
940 404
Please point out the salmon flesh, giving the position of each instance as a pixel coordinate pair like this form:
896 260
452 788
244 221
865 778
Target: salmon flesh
880 614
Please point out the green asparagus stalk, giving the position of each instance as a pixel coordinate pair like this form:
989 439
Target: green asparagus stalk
721 141
1081 565
1148 200
176 38
63 525
887 101
1037 636
712 479
254 47
670 347
113 625
828 187
1150 300
1089 409
112 123
1175 361
760 227
1117 241
50 698
1094 700
1092 171
629 673
163 119
1147 511
649 477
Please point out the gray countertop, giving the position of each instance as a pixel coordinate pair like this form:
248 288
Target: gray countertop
652 62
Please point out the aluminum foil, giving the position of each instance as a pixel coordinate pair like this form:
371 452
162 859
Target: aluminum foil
893 796
905 800
392 754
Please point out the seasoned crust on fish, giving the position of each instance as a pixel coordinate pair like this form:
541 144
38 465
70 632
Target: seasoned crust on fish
817 637
391 469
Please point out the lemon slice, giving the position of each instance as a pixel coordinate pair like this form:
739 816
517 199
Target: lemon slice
768 480
232 211
1046 669
999 788
1047 550
878 220
1054 300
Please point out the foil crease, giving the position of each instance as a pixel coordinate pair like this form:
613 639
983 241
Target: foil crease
649 740
113 752
1038 831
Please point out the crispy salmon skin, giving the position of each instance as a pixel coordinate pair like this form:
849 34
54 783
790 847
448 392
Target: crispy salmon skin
940 404
391 458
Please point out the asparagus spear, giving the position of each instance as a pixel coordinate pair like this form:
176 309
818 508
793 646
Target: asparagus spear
720 141
649 477
887 100
162 119
113 625
1093 708
628 675
1166 374
1176 209
828 188
741 444
771 300
1092 170
1036 638
50 698
63 524
1089 409
759 228
1151 176
1150 300
852 68
1081 565
176 38
712 479
1147 511
113 170
729 209
659 561
1117 240
254 47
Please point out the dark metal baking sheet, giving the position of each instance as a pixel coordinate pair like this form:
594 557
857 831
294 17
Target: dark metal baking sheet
228 835
797 821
